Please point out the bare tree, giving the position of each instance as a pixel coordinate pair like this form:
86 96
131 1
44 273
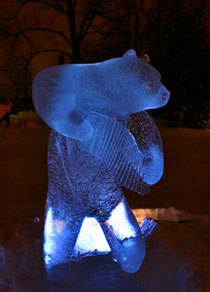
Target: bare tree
63 28
80 17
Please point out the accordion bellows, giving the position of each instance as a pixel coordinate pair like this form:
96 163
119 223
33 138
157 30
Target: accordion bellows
136 163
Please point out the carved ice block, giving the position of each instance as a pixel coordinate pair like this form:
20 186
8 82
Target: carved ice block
96 146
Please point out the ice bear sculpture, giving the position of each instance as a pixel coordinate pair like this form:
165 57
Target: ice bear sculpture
92 154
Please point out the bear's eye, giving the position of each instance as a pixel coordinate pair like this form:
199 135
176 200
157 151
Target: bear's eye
149 87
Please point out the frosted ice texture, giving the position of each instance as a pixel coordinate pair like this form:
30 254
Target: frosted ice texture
64 95
92 154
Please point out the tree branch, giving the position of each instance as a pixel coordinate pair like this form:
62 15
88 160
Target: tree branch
51 51
74 4
44 29
149 17
98 30
87 21
57 5
72 23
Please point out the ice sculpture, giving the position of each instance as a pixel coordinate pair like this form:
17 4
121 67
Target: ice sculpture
92 154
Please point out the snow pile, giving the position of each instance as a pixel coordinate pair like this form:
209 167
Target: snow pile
170 214
26 115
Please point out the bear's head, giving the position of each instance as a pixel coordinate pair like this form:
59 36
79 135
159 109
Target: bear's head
132 85
64 95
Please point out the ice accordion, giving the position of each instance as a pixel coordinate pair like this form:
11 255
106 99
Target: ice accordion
96 146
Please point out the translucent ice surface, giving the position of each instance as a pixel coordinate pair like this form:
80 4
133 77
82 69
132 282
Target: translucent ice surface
65 94
96 146
149 142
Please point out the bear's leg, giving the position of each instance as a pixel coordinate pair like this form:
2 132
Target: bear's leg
124 237
59 239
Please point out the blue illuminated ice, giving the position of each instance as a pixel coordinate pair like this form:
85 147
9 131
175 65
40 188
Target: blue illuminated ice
96 146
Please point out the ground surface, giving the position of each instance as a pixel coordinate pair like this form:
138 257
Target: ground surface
177 260
178 254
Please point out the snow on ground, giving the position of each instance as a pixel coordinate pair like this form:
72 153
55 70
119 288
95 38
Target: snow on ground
170 214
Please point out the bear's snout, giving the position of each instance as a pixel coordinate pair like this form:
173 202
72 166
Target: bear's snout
165 94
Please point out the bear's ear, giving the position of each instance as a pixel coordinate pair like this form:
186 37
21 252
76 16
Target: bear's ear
130 54
145 58
55 101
